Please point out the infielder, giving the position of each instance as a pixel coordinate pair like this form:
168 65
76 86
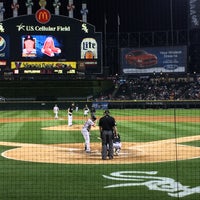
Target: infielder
55 111
76 107
86 132
70 116
86 110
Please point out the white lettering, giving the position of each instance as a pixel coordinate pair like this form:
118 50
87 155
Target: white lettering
84 28
89 45
164 184
29 28
31 71
22 27
44 28
63 28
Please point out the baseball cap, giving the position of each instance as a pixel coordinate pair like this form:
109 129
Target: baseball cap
106 111
28 37
94 118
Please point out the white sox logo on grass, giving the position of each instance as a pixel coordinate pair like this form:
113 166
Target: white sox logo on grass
148 179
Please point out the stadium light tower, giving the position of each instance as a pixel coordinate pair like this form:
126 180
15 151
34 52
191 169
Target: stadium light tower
171 23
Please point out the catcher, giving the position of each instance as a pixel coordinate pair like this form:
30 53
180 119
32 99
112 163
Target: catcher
117 144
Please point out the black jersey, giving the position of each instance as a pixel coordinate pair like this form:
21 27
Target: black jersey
116 139
107 123
70 110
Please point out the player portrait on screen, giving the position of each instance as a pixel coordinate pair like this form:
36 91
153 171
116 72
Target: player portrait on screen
29 46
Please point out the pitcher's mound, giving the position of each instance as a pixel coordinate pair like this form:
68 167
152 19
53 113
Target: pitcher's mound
75 127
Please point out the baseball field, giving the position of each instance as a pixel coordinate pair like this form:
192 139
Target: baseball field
44 159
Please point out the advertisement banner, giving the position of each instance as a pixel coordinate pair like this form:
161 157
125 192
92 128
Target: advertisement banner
4 46
42 67
154 60
100 105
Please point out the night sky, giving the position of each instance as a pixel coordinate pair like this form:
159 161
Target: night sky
135 15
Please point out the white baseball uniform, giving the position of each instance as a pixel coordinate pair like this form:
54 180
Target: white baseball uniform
86 133
56 110
117 145
86 111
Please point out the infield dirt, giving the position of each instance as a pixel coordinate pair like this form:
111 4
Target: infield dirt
132 152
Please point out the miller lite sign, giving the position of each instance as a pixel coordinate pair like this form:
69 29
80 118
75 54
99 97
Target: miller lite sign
89 48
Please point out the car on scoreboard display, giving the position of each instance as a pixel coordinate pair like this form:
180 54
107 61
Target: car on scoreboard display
141 59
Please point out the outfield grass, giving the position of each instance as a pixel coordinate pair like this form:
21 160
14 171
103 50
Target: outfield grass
22 180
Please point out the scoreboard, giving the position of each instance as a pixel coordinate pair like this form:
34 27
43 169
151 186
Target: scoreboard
60 45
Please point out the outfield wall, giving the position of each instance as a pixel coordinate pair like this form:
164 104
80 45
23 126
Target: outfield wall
46 105
155 104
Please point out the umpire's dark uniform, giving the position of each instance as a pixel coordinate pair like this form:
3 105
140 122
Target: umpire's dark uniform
107 127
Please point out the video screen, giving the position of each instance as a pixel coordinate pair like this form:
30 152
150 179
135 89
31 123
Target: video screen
64 46
42 46
154 60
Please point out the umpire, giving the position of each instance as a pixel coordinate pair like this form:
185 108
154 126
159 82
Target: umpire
107 128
